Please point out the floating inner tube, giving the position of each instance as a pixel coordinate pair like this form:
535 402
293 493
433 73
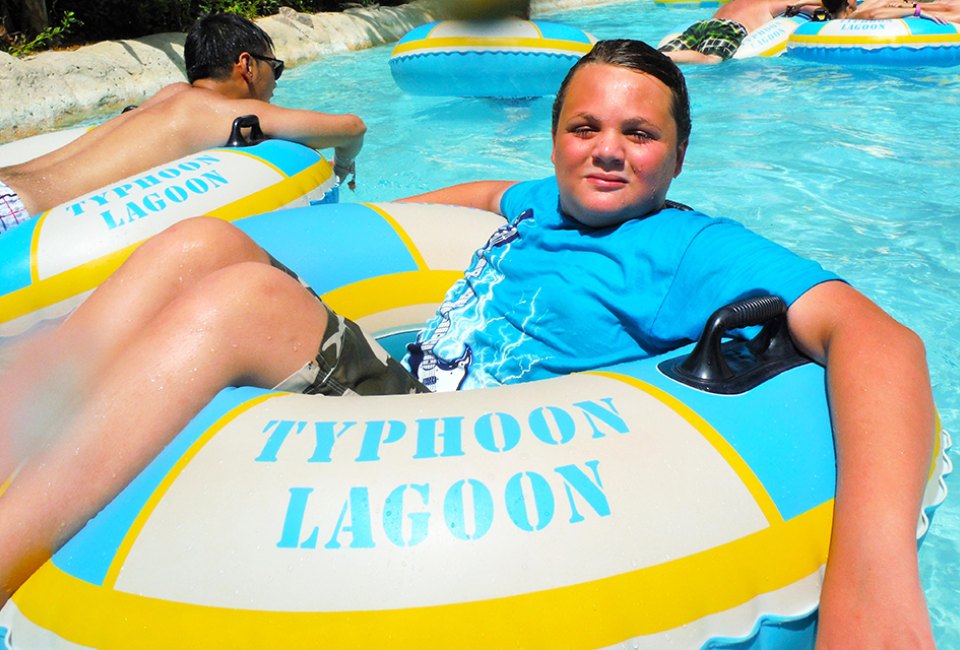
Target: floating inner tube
619 506
50 262
501 58
771 38
687 4
901 41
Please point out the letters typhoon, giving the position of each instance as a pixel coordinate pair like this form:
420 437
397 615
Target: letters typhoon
467 508
153 192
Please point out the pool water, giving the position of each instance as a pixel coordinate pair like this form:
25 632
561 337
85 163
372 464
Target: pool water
853 166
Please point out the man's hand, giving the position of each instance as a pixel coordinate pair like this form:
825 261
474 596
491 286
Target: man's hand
343 169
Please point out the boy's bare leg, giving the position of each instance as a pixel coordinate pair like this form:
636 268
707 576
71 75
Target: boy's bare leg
247 323
50 374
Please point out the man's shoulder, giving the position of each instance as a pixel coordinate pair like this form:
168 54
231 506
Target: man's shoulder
172 90
182 93
176 87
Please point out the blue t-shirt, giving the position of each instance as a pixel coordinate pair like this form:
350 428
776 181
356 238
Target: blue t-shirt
548 296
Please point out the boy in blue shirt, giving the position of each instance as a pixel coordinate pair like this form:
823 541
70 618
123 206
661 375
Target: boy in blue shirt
204 301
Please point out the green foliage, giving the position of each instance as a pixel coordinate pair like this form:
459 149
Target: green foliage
114 19
80 21
248 8
20 46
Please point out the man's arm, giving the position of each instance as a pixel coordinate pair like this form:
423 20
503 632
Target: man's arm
341 131
884 421
484 195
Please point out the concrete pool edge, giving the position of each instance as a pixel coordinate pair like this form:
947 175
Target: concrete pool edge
58 88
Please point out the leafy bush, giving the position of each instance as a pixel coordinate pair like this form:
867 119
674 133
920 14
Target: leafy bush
19 45
80 21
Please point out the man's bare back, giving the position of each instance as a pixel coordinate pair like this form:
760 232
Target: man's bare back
715 40
181 119
753 14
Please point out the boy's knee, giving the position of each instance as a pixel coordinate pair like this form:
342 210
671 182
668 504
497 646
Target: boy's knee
205 231
256 307
215 240
254 278
257 291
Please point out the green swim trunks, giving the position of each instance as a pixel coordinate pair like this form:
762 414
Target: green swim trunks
348 362
717 36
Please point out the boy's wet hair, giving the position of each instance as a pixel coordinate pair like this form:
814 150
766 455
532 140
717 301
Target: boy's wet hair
216 41
638 56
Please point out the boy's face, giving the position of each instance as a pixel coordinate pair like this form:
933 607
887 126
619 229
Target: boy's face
615 151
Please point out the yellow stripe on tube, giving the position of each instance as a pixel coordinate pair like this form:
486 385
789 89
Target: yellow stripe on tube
596 613
474 42
717 441
44 292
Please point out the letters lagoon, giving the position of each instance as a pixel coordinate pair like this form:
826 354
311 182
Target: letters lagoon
847 165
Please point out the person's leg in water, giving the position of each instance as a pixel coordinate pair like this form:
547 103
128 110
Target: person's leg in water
194 310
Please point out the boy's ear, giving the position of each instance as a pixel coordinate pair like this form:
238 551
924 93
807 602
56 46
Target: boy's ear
681 153
244 65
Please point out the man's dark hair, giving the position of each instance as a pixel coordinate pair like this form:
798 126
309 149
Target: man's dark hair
638 56
835 8
216 41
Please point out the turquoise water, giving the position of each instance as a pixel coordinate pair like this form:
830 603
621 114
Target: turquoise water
853 166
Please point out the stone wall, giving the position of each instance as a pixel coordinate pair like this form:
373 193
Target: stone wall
58 88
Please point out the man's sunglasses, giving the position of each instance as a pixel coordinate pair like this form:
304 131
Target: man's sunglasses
275 64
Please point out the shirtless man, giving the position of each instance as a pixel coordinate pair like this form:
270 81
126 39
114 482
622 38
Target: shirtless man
231 71
718 38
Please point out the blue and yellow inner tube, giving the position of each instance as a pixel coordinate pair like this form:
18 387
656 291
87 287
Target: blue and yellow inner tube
616 507
769 40
53 260
685 4
497 58
901 41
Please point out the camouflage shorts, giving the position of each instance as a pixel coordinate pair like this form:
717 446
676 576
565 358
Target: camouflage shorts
717 36
349 362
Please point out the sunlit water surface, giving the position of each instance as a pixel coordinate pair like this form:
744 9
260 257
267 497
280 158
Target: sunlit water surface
853 166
